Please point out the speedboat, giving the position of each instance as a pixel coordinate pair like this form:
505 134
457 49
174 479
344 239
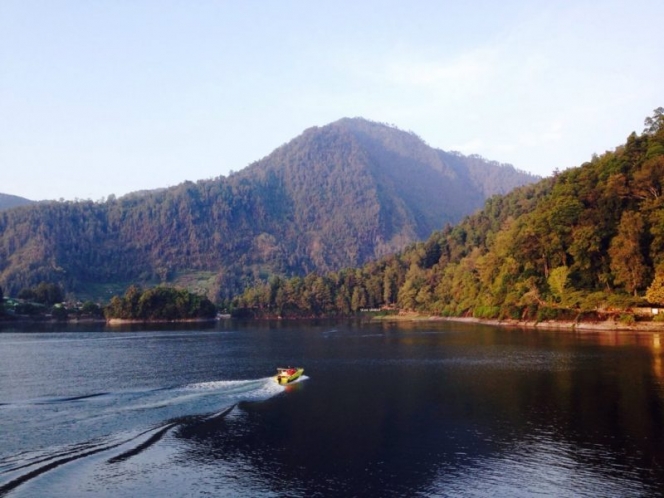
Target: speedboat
288 375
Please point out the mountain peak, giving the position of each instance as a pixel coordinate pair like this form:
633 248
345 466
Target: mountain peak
336 196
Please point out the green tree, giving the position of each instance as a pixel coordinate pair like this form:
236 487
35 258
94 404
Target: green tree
558 278
655 292
91 308
49 293
359 299
654 123
649 179
627 262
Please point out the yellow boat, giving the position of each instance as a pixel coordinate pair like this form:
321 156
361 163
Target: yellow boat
288 375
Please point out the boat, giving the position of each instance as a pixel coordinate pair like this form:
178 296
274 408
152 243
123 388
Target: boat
288 375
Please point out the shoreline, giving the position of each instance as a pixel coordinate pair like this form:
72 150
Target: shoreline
129 321
605 326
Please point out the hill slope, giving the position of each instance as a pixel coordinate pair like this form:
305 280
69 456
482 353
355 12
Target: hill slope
9 201
334 197
588 239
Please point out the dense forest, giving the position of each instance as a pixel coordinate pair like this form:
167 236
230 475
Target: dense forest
589 238
336 196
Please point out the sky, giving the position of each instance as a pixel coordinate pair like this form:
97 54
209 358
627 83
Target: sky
113 96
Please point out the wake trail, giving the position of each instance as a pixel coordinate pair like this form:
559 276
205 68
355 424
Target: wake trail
178 406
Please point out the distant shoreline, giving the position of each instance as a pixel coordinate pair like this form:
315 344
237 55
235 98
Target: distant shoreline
126 321
606 325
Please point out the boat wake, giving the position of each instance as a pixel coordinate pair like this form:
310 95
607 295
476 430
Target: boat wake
111 427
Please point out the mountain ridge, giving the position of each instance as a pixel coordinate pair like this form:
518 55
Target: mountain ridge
335 196
8 201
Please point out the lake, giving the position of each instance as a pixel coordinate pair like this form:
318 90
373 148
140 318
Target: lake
408 409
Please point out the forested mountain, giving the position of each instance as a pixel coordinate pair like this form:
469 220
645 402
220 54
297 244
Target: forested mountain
334 197
589 238
9 201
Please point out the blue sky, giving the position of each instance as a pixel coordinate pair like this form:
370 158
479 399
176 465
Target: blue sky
109 97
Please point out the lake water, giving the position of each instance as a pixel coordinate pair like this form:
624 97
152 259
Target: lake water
419 409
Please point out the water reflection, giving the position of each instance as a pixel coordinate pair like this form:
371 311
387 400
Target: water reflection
504 413
388 410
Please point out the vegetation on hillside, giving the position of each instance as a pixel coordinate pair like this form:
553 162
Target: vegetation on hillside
335 197
589 238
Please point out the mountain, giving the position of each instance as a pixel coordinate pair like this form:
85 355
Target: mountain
575 246
9 201
334 197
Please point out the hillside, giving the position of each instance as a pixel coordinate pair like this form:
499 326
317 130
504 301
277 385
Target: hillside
334 197
591 238
9 201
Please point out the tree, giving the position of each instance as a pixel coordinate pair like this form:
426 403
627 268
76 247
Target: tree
627 262
49 293
655 293
558 282
91 308
654 123
648 181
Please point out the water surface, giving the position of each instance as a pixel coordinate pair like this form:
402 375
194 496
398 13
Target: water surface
421 409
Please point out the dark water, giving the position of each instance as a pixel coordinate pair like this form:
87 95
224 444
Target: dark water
422 409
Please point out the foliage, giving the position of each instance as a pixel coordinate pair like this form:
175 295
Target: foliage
159 303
